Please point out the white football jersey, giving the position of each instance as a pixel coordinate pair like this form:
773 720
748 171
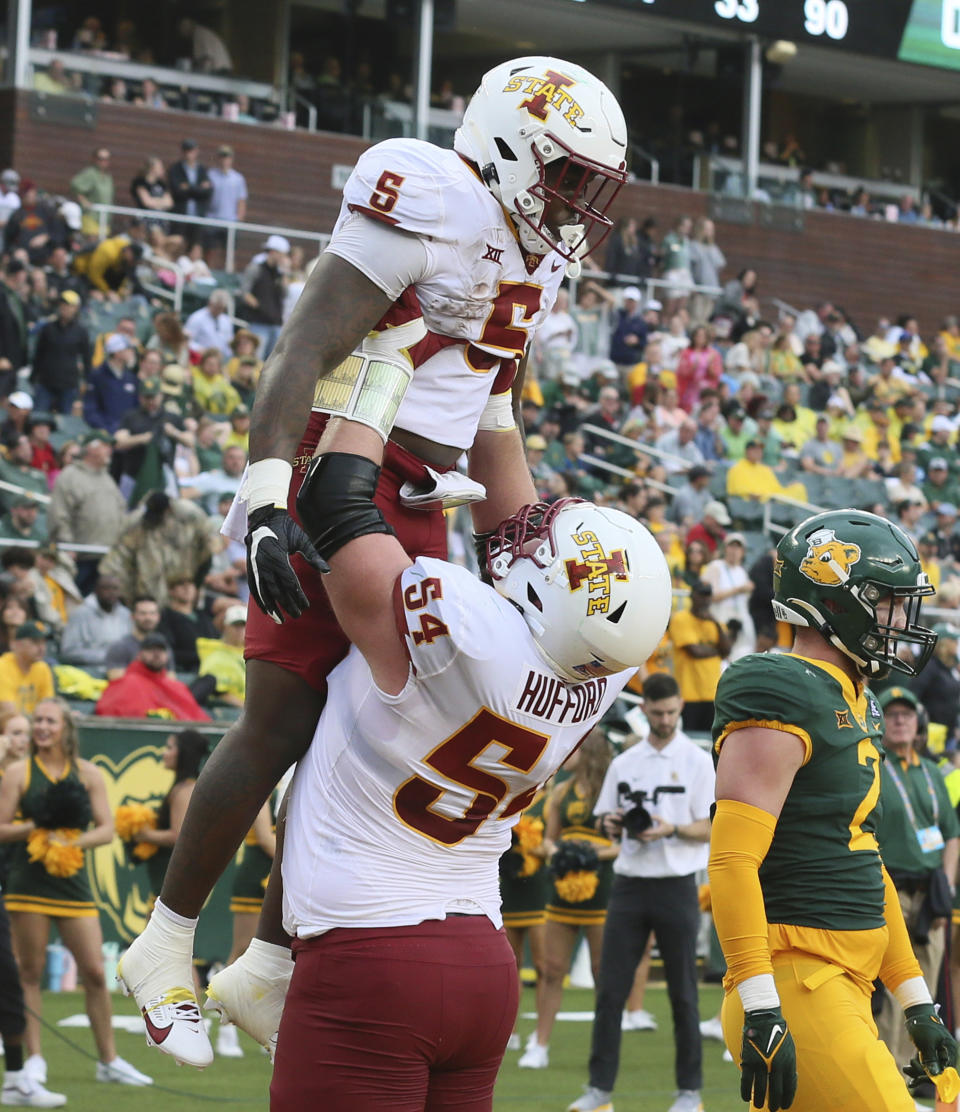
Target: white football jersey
481 295
403 805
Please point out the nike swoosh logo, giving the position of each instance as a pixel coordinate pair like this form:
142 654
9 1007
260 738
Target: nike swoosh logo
261 533
157 1034
778 1030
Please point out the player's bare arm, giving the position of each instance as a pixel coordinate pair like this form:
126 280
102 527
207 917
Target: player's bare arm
337 308
757 767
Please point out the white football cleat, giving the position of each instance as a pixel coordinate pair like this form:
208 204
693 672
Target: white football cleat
160 978
640 1020
35 1067
250 992
228 1042
711 1029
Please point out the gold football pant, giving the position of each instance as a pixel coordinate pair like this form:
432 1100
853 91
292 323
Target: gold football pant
841 1063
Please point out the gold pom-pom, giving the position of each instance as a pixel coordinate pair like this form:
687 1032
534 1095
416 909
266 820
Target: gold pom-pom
144 850
37 844
529 833
577 887
704 898
63 858
530 864
131 818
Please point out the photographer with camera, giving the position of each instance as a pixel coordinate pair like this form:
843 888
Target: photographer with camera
656 799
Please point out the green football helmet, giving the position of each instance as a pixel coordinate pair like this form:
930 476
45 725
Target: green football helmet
841 573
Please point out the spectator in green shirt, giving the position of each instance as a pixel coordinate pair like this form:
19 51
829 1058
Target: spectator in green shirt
22 522
93 185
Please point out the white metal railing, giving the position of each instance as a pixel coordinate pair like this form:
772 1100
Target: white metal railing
14 488
116 66
624 473
321 239
396 111
638 446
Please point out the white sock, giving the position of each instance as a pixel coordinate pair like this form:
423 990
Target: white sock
271 957
178 925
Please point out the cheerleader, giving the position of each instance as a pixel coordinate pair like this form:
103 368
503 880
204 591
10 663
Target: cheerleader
578 897
53 806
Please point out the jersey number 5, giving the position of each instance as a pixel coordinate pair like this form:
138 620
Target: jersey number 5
387 191
454 760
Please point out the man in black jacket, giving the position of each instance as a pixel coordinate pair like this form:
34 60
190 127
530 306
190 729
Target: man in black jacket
190 187
938 687
13 325
63 352
262 292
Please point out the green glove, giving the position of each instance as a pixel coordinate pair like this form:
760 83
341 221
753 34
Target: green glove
768 1060
937 1048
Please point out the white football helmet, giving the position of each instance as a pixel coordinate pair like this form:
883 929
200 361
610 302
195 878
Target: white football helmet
591 583
541 129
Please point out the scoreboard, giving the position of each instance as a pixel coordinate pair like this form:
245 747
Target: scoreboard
922 31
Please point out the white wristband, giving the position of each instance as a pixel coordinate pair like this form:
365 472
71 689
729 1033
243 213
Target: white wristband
912 991
267 484
497 415
759 992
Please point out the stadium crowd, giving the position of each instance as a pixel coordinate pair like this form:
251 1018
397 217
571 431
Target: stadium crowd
715 422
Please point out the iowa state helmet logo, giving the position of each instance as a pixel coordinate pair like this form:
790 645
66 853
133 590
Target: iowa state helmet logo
544 93
828 561
594 568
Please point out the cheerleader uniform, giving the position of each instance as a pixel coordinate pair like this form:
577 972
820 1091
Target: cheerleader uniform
29 886
524 898
575 815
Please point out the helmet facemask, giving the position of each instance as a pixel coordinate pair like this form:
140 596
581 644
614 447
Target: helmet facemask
585 188
880 643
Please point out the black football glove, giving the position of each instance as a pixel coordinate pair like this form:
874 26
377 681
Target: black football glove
272 538
768 1060
936 1047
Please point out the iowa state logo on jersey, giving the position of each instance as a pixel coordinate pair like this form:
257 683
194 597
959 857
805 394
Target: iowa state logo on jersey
828 560
594 568
549 91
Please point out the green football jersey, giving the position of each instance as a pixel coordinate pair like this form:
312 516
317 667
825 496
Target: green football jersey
823 867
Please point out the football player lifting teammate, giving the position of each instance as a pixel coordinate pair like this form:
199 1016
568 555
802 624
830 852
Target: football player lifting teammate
441 266
456 702
805 911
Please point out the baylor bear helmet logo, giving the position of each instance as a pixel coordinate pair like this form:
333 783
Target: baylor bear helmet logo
828 561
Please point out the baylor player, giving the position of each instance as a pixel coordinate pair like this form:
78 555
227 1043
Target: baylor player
805 911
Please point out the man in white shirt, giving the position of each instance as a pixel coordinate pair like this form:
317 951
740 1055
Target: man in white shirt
656 798
211 326
9 195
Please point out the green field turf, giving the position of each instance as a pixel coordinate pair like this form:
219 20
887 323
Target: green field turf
645 1085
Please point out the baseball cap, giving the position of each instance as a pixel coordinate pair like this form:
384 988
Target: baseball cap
632 293
234 615
735 538
150 387
938 463
653 305
225 150
831 367
96 435
23 500
899 695
188 145
945 508
570 378
537 443
116 342
718 511
70 297
277 243
853 432
944 630
21 399
836 401
33 631
753 443
929 538
10 177
240 411
72 215
941 423
154 641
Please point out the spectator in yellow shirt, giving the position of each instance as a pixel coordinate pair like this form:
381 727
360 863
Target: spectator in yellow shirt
855 463
927 547
25 677
212 392
749 478
700 645
876 432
